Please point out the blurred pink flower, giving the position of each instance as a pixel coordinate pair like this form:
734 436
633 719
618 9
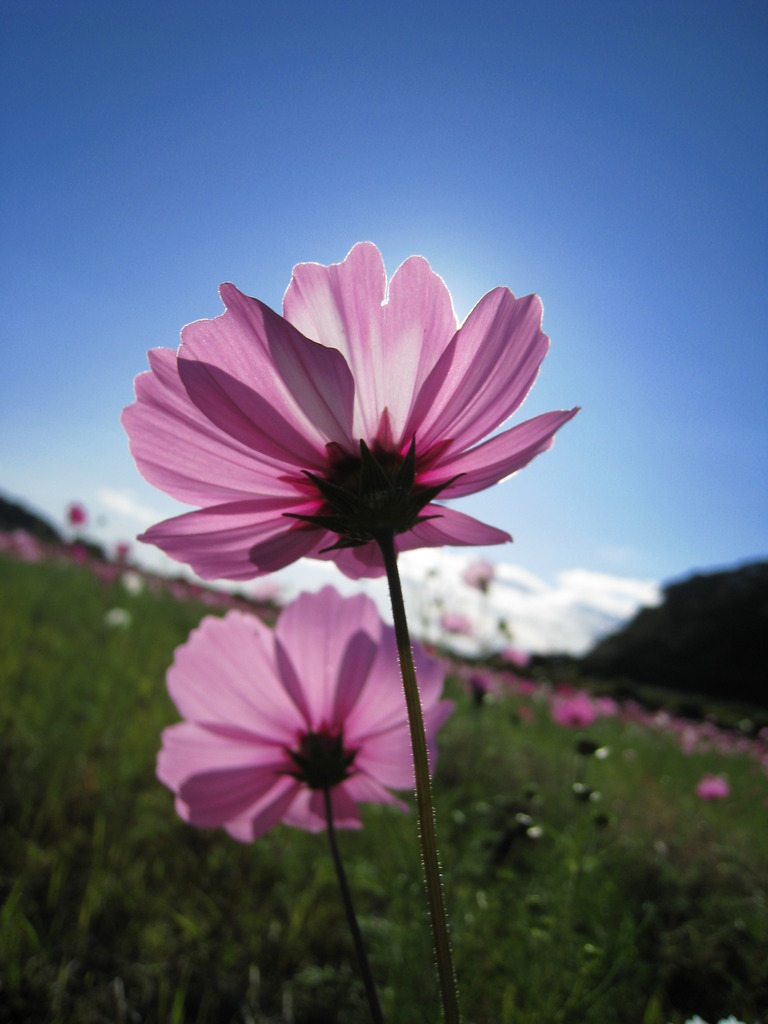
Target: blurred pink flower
577 710
479 682
310 434
520 686
122 550
713 787
76 514
455 622
273 717
78 552
23 544
606 707
479 575
516 657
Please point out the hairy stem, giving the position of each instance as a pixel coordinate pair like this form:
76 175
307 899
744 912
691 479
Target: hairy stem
426 812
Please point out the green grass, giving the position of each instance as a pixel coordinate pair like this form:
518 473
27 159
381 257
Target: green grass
641 907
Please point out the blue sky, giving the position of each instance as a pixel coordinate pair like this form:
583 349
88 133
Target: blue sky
611 157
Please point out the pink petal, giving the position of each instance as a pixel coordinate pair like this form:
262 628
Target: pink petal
390 346
362 789
356 563
434 718
352 675
498 458
381 705
270 810
248 417
276 550
190 749
329 643
225 674
180 451
449 527
343 807
431 676
239 540
419 323
388 757
212 799
261 381
484 374
215 778
307 811
292 684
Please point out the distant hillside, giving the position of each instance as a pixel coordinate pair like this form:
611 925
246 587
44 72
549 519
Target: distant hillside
16 517
709 636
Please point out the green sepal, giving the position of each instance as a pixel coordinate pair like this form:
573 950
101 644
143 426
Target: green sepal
341 499
406 471
373 477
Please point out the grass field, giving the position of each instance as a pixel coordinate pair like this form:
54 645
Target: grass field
626 899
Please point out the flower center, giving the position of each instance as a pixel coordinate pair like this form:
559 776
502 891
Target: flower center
371 497
321 759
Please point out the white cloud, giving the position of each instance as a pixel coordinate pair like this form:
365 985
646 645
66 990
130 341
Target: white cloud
125 505
616 595
568 617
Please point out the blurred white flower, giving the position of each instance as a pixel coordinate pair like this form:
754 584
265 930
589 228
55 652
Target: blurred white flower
118 618
133 582
696 1019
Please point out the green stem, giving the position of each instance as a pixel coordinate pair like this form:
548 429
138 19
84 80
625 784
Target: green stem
424 803
354 927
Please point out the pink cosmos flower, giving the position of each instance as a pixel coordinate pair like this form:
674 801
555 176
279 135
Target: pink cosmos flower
713 787
76 514
479 575
514 656
22 544
455 622
26 546
78 552
480 682
122 551
577 710
311 433
274 717
520 686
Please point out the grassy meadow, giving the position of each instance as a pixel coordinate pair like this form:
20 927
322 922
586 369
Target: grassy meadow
582 888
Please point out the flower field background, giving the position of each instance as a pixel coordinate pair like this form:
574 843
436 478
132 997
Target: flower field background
586 878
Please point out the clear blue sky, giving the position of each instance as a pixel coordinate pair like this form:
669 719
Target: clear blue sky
612 157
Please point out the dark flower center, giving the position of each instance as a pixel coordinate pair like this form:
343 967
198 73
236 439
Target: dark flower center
371 497
321 759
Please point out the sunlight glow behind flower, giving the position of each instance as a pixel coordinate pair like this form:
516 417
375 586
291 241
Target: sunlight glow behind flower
309 434
270 718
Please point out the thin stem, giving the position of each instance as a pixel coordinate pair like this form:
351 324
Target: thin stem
354 927
426 812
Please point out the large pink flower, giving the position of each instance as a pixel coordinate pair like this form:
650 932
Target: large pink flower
350 413
274 717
